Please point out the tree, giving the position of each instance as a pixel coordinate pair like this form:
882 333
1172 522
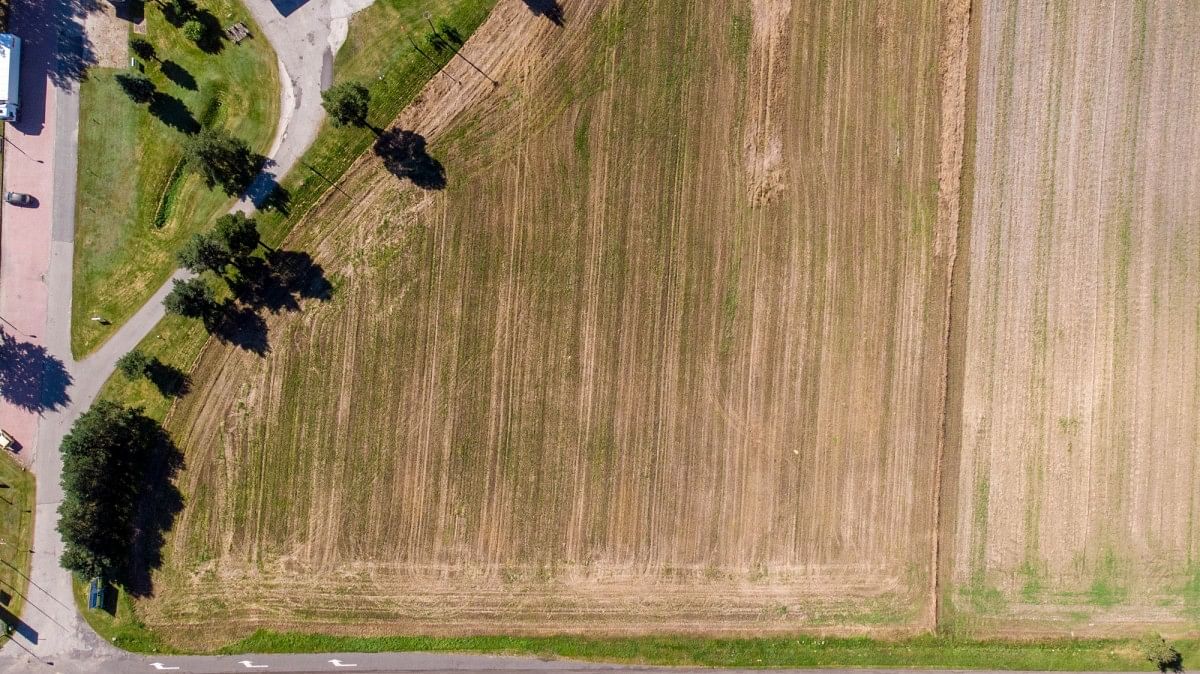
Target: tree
135 364
191 298
194 31
221 160
102 455
347 103
239 234
178 11
136 86
204 251
142 48
1162 654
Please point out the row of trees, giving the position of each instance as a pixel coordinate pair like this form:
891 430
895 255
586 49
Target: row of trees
232 242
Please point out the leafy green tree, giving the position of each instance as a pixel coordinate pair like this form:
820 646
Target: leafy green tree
136 86
135 364
178 11
239 234
194 31
221 160
1162 654
191 298
347 103
204 251
102 455
142 48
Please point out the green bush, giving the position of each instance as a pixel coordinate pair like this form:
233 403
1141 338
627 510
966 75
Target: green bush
194 31
1161 654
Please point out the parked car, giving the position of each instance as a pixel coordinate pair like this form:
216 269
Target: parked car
19 199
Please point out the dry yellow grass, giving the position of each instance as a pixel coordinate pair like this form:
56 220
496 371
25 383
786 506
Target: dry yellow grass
666 355
1077 484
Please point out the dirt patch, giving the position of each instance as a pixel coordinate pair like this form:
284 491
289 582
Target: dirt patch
109 36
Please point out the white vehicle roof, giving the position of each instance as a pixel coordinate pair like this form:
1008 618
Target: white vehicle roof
10 50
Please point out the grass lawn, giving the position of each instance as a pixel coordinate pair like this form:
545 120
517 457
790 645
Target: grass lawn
16 535
134 207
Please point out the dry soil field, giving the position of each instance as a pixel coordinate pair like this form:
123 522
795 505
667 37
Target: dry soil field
666 354
1077 493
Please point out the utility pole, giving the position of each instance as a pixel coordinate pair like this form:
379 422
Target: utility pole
427 58
459 54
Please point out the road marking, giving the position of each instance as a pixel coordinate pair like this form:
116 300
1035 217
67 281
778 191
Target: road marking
250 665
161 666
339 663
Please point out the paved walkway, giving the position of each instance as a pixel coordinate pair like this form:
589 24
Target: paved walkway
36 263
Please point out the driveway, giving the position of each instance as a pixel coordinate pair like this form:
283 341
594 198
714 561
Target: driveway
306 34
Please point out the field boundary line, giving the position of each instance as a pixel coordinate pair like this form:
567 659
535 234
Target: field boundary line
958 58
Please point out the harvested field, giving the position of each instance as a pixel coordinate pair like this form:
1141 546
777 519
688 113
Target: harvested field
665 354
1077 483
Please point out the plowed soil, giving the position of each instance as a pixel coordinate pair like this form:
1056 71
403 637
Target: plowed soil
1077 485
667 354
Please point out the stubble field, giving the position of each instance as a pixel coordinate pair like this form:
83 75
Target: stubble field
666 354
1076 491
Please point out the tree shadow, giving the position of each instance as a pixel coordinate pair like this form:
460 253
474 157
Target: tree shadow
75 52
179 12
158 502
279 283
277 199
30 377
168 379
405 156
265 192
240 326
547 8
213 39
174 113
132 11
178 74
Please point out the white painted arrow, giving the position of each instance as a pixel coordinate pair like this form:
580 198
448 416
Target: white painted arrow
160 666
339 663
250 665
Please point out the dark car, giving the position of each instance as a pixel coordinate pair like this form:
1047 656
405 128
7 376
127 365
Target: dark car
19 199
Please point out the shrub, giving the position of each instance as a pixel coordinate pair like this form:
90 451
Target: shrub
1162 654
347 103
135 364
194 31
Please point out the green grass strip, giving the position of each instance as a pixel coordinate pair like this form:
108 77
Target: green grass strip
918 652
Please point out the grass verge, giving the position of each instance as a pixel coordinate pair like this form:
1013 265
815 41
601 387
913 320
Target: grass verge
128 154
941 652
120 628
16 536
